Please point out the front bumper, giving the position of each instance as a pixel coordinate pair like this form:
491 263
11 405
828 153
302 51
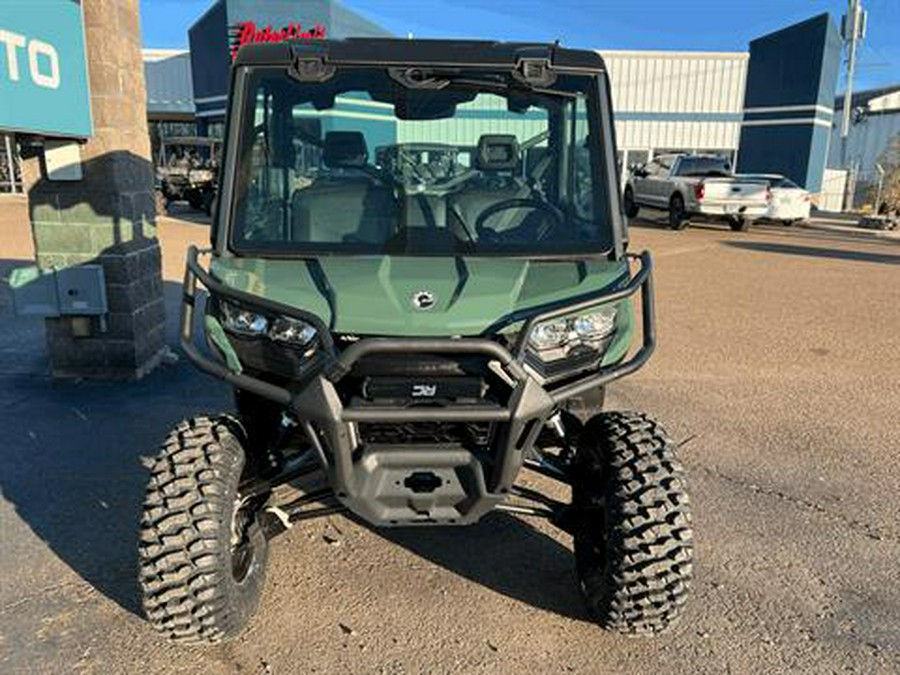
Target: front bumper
408 484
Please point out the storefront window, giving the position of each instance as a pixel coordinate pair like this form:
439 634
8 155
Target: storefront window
10 169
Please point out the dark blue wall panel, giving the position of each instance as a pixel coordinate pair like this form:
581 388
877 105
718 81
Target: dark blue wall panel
209 53
787 105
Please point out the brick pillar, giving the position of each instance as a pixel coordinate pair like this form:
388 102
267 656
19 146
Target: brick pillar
107 217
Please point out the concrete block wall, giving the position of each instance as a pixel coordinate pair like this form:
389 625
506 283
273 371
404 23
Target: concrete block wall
108 217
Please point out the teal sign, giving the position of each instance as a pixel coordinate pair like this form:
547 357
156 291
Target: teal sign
43 68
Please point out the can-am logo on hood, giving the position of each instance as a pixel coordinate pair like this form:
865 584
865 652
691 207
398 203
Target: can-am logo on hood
423 300
246 32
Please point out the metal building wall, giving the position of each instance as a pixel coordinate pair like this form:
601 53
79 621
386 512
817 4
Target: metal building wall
876 123
170 91
677 100
485 115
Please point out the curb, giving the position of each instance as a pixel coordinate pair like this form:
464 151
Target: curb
863 233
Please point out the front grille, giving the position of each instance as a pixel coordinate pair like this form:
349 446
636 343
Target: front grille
473 435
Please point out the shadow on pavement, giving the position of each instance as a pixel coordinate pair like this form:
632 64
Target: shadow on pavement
504 554
70 452
816 252
183 211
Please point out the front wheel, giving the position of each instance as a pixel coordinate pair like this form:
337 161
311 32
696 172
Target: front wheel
678 218
633 537
202 551
631 208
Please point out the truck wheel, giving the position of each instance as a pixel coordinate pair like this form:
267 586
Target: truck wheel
633 539
678 219
202 557
739 223
631 209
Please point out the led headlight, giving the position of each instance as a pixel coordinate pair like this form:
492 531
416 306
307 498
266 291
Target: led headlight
292 331
242 321
597 325
556 339
286 330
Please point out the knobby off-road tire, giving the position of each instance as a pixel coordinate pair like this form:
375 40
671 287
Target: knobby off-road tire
633 539
678 219
199 584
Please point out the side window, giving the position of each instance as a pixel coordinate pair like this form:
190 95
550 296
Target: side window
582 171
665 165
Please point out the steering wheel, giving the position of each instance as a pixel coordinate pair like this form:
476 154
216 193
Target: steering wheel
523 202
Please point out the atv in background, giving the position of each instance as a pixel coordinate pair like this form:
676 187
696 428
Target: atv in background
187 170
408 332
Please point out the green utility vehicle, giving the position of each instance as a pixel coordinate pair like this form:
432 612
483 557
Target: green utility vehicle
419 287
186 171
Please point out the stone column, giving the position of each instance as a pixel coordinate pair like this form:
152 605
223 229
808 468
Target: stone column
108 217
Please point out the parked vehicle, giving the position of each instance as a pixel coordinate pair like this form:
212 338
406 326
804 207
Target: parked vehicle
416 331
695 186
788 202
187 169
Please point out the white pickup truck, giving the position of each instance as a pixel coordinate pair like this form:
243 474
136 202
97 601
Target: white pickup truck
695 185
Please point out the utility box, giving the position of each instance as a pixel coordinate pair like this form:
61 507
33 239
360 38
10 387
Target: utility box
73 291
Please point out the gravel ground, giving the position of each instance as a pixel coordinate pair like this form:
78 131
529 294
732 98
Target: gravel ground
778 369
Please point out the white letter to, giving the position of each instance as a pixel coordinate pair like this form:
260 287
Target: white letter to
36 47
13 41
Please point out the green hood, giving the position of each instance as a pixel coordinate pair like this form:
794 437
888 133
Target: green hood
373 295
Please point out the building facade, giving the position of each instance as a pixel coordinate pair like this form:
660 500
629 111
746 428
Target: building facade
676 102
874 125
664 101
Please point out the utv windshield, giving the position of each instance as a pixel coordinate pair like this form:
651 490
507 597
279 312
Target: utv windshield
413 162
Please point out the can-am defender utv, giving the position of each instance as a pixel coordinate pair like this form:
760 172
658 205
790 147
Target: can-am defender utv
418 286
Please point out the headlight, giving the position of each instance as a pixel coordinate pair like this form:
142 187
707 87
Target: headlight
596 325
556 339
242 321
292 331
289 331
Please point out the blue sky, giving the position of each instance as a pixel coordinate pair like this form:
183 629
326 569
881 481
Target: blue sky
706 25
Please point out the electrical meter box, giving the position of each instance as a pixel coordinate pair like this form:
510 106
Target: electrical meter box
73 291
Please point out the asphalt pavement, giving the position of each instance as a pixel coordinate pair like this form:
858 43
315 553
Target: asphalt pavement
777 370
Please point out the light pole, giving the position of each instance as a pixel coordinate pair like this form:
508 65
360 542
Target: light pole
852 28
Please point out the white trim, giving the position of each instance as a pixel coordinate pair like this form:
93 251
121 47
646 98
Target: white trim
211 99
211 113
791 108
791 120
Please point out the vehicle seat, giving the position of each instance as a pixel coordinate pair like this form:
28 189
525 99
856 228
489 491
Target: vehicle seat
498 159
347 203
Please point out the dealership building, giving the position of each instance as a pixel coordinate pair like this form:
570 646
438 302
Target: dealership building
769 109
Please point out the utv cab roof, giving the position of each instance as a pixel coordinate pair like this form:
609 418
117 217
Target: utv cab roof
394 51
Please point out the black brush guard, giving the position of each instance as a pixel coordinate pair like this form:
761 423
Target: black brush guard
410 484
